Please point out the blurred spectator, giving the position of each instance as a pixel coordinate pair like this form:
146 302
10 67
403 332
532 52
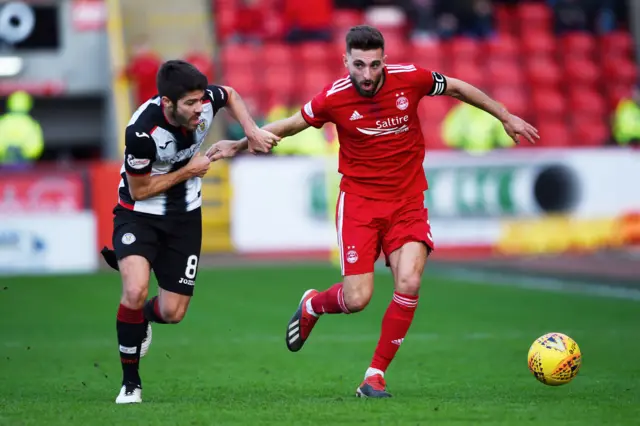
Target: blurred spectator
21 139
423 17
626 120
142 69
308 21
471 18
470 129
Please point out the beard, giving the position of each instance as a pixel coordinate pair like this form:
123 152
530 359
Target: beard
370 89
184 121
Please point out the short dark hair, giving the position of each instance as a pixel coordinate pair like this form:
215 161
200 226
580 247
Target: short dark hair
364 37
176 78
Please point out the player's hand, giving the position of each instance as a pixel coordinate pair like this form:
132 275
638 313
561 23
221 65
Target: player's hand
223 149
198 165
516 127
262 141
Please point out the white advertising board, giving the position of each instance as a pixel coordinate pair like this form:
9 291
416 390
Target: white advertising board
280 204
39 243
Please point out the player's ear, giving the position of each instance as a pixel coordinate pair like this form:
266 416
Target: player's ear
166 102
384 60
345 59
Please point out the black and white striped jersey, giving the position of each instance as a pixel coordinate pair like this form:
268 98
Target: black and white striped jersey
153 146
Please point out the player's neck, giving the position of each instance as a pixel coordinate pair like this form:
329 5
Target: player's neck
381 83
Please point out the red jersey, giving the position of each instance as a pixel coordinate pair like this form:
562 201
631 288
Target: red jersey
381 144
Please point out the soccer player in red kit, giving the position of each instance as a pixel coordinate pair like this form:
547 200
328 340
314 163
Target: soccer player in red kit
381 201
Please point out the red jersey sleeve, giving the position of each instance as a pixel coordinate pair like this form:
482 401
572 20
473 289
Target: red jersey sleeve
431 83
315 112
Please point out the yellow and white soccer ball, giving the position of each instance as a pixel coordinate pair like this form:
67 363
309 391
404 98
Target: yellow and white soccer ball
554 359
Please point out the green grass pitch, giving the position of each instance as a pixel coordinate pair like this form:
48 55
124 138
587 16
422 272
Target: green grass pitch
463 362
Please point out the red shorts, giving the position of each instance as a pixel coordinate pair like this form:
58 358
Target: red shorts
366 226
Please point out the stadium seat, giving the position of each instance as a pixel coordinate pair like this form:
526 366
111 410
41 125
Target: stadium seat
432 133
314 53
464 48
243 82
512 97
279 78
543 71
617 44
621 70
587 101
469 72
314 79
504 16
578 44
581 71
589 132
343 19
503 46
554 133
615 93
548 103
427 55
539 44
533 15
275 54
506 72
239 55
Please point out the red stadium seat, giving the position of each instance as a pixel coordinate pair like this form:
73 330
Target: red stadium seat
343 19
586 101
243 82
469 72
432 133
314 53
316 78
464 48
279 78
512 97
578 44
539 44
242 55
582 71
543 71
589 132
275 54
554 133
504 18
616 92
506 72
427 55
621 70
503 46
617 43
548 103
534 15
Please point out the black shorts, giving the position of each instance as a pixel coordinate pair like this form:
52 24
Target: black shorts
171 244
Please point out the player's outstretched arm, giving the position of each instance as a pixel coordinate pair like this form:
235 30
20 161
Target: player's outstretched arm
259 140
146 186
282 128
513 125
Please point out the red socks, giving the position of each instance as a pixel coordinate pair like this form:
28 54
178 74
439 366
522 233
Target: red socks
395 324
330 301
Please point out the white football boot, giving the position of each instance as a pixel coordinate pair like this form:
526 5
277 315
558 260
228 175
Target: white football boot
129 394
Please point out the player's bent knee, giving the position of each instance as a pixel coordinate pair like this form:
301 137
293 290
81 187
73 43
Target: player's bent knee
357 297
174 315
409 284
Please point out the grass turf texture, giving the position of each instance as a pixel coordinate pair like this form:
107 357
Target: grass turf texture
463 362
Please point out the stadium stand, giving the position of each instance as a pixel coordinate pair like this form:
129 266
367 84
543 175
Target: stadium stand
566 79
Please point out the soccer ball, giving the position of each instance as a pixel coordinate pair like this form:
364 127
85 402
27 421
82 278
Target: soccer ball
554 359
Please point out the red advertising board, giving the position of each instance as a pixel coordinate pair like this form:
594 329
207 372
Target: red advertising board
41 191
